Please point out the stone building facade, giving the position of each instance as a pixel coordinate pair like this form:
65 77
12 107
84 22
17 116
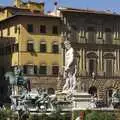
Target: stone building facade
95 36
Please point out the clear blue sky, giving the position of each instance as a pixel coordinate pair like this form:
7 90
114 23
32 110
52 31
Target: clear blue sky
113 5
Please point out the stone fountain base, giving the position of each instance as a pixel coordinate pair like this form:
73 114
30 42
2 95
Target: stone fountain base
77 101
81 101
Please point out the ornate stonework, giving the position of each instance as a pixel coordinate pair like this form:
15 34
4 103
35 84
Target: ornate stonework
94 39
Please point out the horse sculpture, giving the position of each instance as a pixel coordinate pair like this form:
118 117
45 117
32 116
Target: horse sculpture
38 99
16 79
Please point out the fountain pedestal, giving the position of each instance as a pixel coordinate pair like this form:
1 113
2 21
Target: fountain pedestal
77 101
81 101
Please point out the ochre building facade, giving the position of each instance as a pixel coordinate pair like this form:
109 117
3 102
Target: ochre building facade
31 40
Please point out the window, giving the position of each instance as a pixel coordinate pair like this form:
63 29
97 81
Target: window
30 46
55 70
42 29
43 70
55 48
99 34
108 64
108 67
43 46
82 33
92 63
92 67
55 30
116 31
30 28
108 36
91 34
30 69
99 31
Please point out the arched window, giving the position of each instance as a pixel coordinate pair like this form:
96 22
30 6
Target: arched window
51 91
92 63
108 64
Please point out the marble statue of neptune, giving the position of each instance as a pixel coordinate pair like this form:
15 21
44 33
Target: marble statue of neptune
70 68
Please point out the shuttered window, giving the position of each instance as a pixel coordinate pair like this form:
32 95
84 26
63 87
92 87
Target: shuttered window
55 70
30 28
43 70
